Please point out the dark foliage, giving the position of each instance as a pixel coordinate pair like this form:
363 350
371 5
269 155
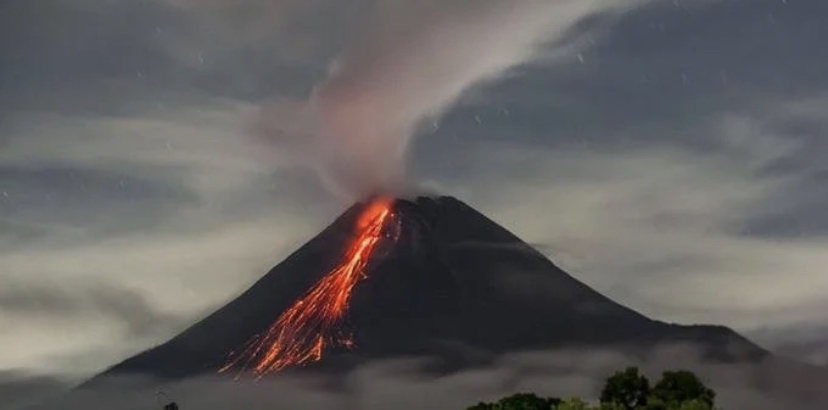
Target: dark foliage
676 387
625 390
520 401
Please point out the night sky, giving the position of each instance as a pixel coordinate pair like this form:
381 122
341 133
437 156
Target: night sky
670 154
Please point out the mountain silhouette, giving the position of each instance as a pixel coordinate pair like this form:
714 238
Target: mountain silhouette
454 282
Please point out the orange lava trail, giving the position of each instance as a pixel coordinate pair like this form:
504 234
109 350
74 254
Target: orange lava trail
302 332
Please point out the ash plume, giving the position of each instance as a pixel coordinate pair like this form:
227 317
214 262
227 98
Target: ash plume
412 62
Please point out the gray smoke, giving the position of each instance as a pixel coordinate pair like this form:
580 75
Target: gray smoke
411 62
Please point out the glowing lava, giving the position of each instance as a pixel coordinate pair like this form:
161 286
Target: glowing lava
303 331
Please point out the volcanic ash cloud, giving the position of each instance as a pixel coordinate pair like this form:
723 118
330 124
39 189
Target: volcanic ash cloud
409 66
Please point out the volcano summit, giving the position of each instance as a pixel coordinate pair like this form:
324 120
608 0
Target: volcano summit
442 281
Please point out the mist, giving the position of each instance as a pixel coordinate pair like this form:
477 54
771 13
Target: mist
403 384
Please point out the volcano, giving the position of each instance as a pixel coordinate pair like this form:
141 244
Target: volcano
448 281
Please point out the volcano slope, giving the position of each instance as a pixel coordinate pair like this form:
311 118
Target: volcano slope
453 282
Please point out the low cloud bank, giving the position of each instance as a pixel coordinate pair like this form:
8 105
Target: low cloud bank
401 384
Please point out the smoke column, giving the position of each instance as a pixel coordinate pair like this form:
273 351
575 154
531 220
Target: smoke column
412 63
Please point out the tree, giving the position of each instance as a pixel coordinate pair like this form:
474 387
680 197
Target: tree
520 401
677 388
695 405
575 404
624 390
628 389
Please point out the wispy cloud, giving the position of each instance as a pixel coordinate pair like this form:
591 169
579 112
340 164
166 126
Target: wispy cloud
662 227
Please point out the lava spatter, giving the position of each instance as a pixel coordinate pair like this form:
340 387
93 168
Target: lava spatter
314 322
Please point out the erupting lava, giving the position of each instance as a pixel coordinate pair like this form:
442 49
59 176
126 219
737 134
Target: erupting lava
301 333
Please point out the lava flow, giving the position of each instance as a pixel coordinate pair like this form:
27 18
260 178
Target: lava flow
313 322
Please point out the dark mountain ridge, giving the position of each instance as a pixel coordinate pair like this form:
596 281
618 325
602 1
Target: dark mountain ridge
453 282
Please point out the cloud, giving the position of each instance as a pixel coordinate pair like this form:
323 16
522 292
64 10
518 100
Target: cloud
656 227
179 276
805 341
60 304
126 228
660 228
178 138
90 201
412 65
402 384
19 389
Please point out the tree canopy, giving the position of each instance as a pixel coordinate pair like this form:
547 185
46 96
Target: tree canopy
627 389
521 401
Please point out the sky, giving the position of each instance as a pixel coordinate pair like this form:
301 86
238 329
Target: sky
154 156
